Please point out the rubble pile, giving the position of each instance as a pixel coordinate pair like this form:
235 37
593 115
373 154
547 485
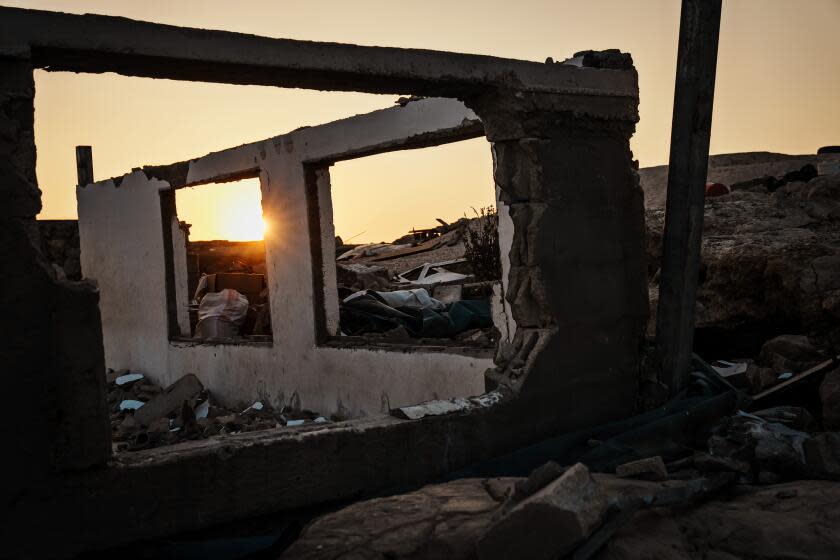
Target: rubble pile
144 415
396 291
770 264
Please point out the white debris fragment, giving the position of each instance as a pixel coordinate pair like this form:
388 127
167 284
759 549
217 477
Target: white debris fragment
202 410
320 420
728 369
130 404
439 407
291 423
256 406
128 378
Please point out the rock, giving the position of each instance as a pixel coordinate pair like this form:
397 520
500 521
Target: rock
761 378
796 520
830 397
500 489
793 521
789 352
822 453
770 262
537 480
651 468
437 521
549 523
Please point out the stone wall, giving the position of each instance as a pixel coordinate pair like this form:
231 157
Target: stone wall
55 415
60 246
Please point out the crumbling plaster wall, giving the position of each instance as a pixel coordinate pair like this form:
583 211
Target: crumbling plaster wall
120 225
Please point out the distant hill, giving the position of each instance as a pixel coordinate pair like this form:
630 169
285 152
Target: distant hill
728 169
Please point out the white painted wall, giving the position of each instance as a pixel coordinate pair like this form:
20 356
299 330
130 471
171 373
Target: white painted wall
122 249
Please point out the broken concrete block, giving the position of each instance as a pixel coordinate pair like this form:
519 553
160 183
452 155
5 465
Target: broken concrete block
538 479
651 468
169 400
549 523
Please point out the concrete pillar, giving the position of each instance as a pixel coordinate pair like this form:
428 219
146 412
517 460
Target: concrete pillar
578 283
51 359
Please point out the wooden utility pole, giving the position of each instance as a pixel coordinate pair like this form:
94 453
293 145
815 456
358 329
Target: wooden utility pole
687 168
84 165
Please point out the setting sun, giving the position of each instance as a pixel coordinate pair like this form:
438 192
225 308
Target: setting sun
231 211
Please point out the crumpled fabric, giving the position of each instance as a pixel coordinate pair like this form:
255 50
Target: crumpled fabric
421 315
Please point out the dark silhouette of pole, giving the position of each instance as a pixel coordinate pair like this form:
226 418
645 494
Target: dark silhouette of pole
84 165
690 130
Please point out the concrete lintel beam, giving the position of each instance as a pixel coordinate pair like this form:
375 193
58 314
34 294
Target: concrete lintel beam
95 43
418 124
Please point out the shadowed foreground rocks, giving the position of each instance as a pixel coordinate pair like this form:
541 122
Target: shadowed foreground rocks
792 521
797 520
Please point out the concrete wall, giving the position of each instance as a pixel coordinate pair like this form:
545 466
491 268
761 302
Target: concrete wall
122 246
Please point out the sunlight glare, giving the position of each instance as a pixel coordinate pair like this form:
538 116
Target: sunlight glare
229 211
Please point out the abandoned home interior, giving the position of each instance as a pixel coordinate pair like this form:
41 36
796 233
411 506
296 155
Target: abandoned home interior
547 377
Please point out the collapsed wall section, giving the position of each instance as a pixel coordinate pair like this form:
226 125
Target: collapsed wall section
577 282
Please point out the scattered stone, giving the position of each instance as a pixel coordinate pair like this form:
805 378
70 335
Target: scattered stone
789 353
539 478
651 468
549 523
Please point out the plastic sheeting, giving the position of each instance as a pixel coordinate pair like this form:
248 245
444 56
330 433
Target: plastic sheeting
221 314
415 310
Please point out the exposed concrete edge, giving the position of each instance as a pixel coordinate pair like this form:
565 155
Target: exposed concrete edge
444 121
96 43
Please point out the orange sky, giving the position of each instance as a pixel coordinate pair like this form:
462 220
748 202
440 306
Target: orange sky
777 89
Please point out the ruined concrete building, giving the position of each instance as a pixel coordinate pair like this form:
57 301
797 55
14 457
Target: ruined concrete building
574 283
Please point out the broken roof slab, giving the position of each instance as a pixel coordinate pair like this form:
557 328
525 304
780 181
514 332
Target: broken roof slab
96 44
